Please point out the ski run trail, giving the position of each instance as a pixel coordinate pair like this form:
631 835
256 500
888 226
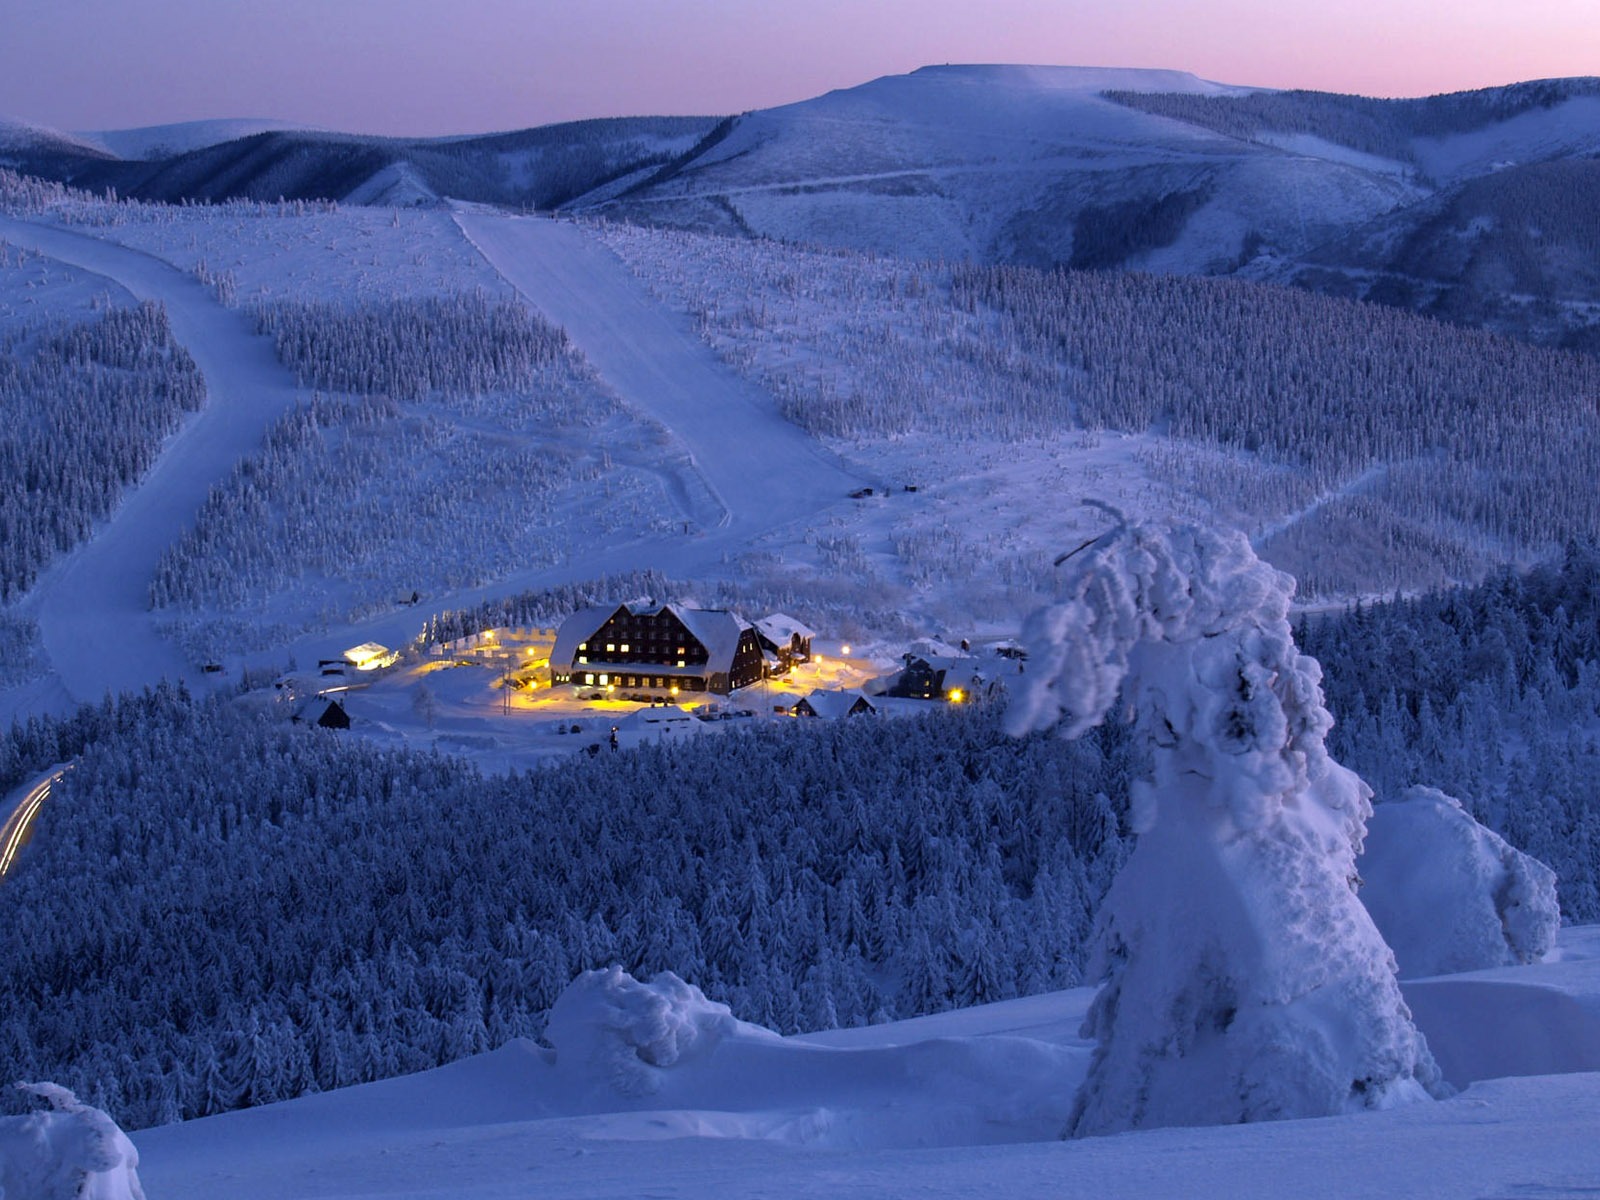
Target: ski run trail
762 468
92 604
749 470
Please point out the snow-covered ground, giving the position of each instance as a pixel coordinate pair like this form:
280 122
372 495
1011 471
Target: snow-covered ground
962 1104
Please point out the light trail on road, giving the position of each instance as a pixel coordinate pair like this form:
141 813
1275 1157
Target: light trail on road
19 825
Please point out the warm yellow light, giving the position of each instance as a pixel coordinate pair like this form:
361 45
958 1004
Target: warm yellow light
674 689
955 696
844 649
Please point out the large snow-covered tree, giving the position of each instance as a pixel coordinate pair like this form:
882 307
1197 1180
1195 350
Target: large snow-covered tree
1244 980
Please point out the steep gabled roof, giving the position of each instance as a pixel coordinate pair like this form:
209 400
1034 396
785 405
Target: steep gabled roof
834 705
716 629
779 628
577 629
324 711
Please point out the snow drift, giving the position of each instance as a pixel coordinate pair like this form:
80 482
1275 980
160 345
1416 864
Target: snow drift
1244 980
622 1047
1450 895
68 1152
609 1028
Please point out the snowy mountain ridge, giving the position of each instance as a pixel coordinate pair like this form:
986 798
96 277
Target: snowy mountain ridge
144 143
1096 167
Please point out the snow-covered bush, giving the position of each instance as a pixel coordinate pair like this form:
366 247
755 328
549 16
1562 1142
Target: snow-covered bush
67 1152
1243 979
608 1026
1450 895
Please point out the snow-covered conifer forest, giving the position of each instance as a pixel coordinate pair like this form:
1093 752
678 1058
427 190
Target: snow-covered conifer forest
1280 421
85 407
810 878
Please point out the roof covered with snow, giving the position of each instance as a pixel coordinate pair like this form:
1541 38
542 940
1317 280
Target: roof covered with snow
833 705
779 628
716 629
577 629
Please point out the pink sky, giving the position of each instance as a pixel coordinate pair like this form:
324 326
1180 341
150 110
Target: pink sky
434 67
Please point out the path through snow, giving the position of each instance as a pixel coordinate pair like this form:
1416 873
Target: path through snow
763 468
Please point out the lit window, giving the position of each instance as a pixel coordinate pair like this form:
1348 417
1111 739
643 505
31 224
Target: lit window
583 645
583 658
588 677
610 649
680 651
605 679
680 662
624 647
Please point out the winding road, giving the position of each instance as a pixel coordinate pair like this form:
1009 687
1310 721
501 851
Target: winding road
18 827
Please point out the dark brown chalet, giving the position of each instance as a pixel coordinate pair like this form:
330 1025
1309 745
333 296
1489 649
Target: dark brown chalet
657 649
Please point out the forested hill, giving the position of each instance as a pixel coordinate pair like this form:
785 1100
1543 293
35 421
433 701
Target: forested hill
541 167
1385 128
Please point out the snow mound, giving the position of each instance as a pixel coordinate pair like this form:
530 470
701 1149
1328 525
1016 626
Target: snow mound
1449 895
626 1052
1244 980
1498 1026
68 1152
609 1027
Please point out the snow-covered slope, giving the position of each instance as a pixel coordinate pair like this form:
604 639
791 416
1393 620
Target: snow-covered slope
963 1104
22 139
1027 164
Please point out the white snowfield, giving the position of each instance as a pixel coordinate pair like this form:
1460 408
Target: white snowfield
653 1091
92 605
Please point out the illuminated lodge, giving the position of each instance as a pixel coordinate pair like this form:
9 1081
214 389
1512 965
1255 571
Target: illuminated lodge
656 649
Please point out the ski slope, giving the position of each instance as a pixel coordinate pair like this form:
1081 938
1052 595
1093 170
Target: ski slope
761 468
960 1104
92 605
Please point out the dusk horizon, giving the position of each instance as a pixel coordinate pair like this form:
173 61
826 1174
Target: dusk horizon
412 69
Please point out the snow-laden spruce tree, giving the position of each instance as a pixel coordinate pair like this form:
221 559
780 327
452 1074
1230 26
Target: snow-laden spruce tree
1243 980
